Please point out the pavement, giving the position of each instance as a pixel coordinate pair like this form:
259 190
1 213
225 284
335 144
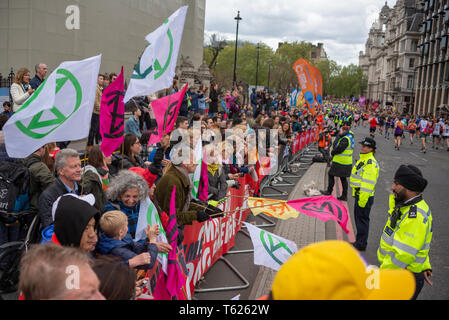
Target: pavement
303 231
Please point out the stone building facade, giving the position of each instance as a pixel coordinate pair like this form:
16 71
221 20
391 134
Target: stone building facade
432 90
33 31
187 73
392 55
318 53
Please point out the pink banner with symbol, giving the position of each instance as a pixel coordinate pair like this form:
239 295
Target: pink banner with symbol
166 111
112 116
323 208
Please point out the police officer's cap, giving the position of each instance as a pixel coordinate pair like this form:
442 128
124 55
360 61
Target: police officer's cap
369 142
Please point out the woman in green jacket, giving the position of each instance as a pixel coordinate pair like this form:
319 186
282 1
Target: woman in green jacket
96 177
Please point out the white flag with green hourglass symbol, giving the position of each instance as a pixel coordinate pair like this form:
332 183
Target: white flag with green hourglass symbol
156 68
148 216
59 110
270 250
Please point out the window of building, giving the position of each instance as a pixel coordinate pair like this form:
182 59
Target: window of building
426 49
410 82
446 73
443 43
411 63
414 46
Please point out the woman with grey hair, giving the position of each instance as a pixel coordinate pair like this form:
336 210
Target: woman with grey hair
125 192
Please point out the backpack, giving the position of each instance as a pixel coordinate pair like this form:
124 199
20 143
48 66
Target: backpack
14 189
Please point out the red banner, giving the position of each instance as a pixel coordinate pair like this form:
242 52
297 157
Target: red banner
204 243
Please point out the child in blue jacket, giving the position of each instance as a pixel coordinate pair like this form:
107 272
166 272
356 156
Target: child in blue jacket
115 240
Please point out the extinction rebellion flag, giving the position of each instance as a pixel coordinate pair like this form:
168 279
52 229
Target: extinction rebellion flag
270 250
324 208
156 68
112 116
59 110
166 111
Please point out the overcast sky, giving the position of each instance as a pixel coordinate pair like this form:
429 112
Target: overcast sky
342 25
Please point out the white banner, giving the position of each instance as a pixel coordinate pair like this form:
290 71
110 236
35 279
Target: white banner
156 69
197 174
148 215
60 110
270 250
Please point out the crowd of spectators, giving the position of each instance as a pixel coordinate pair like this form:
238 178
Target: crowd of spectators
94 206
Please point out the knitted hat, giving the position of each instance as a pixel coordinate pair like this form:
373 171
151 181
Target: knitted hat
146 175
411 178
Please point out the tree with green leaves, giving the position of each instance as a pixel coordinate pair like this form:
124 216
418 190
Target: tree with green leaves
338 81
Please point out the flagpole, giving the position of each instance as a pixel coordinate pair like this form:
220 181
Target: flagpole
250 208
84 173
123 152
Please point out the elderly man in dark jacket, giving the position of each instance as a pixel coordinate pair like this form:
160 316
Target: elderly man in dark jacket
178 175
68 167
187 211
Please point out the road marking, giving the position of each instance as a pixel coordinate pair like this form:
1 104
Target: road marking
418 157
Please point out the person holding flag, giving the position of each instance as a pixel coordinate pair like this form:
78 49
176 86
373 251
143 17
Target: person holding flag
187 211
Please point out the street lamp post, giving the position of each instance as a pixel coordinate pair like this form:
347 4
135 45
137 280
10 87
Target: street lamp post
257 66
238 18
269 73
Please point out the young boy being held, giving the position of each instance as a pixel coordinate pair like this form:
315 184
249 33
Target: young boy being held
115 240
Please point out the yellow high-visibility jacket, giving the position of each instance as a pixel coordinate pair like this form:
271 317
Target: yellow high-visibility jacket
364 177
407 245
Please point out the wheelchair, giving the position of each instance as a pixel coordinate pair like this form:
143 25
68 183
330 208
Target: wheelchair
12 252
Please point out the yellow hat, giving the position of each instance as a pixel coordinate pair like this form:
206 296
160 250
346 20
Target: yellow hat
334 270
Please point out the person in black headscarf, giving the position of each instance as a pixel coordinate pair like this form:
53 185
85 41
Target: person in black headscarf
75 223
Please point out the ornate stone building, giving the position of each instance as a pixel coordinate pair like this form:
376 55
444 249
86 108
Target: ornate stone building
187 73
391 55
432 90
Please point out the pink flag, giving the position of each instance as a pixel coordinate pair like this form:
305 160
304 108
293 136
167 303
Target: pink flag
362 101
175 276
166 111
112 116
203 189
323 208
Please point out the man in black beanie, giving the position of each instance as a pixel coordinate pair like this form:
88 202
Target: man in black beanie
408 178
406 238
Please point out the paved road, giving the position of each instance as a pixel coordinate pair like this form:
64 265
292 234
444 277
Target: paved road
435 167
